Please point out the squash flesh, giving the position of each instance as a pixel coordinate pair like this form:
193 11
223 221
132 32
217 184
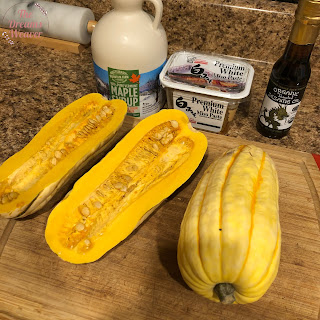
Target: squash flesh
143 166
162 146
67 140
231 232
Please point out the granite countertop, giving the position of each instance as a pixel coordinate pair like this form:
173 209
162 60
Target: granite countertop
37 82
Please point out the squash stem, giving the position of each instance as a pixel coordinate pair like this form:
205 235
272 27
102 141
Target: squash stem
225 291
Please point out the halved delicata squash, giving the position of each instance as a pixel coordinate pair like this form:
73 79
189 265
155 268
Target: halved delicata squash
72 138
155 158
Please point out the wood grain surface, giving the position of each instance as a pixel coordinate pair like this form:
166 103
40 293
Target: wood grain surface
47 42
140 278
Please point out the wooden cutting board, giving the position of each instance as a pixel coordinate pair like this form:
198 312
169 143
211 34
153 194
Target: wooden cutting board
140 279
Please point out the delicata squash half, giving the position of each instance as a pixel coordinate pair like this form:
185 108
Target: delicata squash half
32 176
155 158
230 237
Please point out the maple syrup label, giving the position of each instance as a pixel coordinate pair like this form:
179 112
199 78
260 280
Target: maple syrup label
141 91
280 106
124 85
203 113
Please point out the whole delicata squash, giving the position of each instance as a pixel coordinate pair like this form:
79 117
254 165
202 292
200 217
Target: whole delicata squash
230 237
32 176
155 158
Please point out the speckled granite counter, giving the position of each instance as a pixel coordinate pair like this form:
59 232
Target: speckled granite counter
37 82
252 29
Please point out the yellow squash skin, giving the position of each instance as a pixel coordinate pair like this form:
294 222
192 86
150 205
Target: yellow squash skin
155 158
230 232
58 153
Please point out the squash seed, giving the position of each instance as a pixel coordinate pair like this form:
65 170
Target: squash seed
69 145
102 114
79 226
85 211
14 195
174 123
57 154
99 193
4 199
107 110
42 155
158 135
155 147
118 185
131 187
133 167
127 178
164 141
124 189
63 151
53 161
89 129
92 121
87 242
98 118
167 139
97 204
70 138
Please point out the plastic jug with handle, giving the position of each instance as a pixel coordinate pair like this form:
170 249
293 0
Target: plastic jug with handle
129 49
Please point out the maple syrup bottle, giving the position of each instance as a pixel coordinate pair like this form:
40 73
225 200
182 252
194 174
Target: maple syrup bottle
290 74
129 49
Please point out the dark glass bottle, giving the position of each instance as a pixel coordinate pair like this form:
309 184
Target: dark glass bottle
290 74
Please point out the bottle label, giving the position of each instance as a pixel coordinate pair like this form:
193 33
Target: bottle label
124 85
141 91
203 113
280 106
211 72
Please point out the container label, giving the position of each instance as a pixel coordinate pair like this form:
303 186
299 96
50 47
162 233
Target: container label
204 113
141 91
124 85
280 106
214 73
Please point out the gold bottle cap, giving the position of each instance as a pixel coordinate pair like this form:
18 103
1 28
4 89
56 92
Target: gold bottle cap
308 11
307 22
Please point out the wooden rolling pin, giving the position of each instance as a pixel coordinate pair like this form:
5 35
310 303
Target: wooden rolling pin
51 19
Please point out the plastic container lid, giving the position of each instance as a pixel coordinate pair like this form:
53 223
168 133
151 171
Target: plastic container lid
218 75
